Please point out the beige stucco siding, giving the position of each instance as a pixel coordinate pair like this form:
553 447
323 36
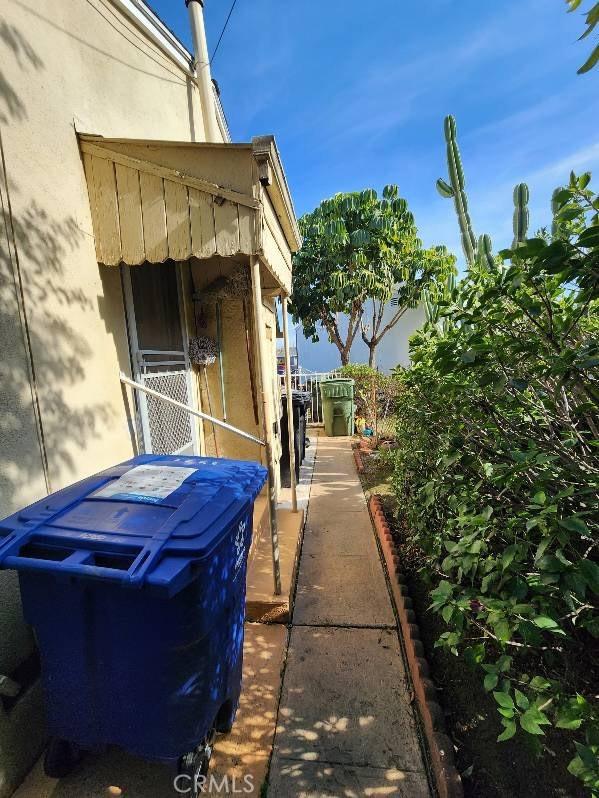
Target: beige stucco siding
237 365
70 64
65 65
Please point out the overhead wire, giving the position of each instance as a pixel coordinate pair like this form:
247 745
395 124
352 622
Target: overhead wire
223 31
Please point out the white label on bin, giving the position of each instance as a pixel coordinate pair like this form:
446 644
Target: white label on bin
240 545
146 483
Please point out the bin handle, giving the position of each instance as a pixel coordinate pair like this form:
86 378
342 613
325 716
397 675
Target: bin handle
73 564
64 568
11 545
15 540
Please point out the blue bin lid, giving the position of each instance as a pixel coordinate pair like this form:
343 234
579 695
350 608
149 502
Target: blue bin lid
122 523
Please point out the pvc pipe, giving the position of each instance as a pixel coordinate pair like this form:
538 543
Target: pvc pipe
202 68
263 372
289 389
207 385
191 410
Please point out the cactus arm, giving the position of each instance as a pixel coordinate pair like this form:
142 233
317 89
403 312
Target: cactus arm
485 257
521 215
444 189
457 189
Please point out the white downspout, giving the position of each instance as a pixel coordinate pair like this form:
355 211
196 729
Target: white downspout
202 69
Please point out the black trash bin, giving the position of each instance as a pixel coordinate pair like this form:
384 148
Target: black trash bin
301 401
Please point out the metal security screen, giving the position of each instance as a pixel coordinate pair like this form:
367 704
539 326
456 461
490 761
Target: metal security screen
160 357
170 427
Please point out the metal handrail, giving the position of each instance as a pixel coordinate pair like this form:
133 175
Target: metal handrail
191 410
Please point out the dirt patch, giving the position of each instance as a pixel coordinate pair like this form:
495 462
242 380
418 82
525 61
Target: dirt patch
376 476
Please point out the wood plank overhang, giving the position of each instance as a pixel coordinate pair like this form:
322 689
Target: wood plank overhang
152 201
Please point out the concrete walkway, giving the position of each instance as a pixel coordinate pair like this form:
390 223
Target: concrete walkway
346 725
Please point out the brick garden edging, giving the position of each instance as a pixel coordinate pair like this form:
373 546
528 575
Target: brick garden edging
363 446
358 460
447 778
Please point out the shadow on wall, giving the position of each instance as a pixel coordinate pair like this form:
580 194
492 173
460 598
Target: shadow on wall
33 246
34 243
11 106
40 244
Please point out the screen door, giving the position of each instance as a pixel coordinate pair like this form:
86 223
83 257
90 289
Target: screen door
159 353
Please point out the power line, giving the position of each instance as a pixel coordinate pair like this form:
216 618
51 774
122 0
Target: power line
222 33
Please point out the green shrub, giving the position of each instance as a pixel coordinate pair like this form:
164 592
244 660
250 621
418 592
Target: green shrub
498 474
375 395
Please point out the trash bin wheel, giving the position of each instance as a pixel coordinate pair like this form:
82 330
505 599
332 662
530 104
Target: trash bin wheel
61 758
195 764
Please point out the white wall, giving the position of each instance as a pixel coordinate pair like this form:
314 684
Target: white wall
394 348
392 351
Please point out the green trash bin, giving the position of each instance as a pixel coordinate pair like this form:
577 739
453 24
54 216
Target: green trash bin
338 406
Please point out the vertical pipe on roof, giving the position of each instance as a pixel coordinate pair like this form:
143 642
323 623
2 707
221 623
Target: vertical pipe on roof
202 68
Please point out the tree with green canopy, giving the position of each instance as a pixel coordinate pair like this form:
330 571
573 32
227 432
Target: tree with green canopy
360 249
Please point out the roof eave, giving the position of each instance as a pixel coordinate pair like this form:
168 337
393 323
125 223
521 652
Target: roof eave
272 176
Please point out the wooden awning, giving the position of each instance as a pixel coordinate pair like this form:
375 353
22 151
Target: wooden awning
155 200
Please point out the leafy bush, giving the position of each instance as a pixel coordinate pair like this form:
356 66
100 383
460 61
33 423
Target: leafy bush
497 473
375 393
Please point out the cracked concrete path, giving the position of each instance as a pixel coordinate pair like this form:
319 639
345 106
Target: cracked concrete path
346 724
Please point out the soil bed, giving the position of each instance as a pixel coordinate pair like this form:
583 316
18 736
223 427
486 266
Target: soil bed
489 769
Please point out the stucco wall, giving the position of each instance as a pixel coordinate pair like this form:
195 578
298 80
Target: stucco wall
394 349
65 65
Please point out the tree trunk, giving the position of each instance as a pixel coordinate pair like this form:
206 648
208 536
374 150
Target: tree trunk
344 347
372 355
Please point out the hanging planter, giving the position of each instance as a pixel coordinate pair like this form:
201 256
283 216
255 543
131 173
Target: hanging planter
203 351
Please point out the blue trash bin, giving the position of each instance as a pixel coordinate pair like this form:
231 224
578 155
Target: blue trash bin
134 580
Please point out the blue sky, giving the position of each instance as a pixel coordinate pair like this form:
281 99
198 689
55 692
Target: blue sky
356 94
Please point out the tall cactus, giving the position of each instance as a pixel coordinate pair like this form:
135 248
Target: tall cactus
521 215
457 190
431 310
431 304
485 257
479 253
